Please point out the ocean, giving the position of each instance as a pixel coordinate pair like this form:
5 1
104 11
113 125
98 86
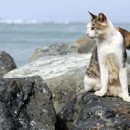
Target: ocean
21 39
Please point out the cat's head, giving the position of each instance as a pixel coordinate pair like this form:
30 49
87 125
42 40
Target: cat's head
97 26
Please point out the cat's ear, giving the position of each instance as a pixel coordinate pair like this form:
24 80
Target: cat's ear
92 16
102 19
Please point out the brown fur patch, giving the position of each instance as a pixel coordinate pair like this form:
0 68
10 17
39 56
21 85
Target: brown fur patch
102 18
96 25
126 36
93 70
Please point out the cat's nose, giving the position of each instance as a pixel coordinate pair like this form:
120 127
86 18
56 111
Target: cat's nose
87 34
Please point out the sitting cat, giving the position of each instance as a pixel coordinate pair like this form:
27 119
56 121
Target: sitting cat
106 73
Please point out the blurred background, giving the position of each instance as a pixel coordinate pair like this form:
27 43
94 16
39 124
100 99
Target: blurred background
29 24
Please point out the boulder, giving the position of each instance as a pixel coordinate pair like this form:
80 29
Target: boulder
7 63
128 73
26 104
84 44
63 74
54 49
128 58
89 112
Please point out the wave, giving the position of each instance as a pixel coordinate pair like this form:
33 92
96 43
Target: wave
33 22
18 22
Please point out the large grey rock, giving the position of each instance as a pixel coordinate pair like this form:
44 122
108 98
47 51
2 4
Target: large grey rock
84 44
128 57
63 74
89 112
7 63
54 49
26 104
128 73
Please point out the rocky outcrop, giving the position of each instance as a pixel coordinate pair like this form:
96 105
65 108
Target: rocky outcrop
128 59
89 112
6 63
52 50
84 44
26 104
63 74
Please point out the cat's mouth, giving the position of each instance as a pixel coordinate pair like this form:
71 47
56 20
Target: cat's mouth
90 37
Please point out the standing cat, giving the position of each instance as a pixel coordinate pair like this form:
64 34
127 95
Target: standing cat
106 73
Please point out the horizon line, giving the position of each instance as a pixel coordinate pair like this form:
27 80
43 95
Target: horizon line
22 21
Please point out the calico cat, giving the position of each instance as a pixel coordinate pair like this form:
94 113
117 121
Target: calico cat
106 73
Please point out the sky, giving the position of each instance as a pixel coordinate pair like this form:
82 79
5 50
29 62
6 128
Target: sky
64 10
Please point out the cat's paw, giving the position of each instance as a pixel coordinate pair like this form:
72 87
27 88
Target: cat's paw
126 98
99 93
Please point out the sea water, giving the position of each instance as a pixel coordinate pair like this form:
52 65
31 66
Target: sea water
21 39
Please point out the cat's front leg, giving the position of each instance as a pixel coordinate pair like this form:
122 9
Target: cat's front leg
104 81
124 84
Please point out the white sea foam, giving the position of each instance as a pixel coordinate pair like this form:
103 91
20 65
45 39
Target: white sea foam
19 21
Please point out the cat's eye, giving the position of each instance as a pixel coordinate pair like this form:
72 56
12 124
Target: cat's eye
92 28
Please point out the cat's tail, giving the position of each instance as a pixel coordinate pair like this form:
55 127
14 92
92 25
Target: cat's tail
126 36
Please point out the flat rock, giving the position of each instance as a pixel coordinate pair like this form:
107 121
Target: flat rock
64 75
7 63
89 112
26 104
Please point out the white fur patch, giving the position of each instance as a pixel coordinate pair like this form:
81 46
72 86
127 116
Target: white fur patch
91 83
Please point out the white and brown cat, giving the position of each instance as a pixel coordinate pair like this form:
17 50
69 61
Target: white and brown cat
106 73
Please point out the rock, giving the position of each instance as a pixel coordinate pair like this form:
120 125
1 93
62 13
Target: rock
26 104
54 49
63 74
128 59
128 73
84 44
89 112
6 63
